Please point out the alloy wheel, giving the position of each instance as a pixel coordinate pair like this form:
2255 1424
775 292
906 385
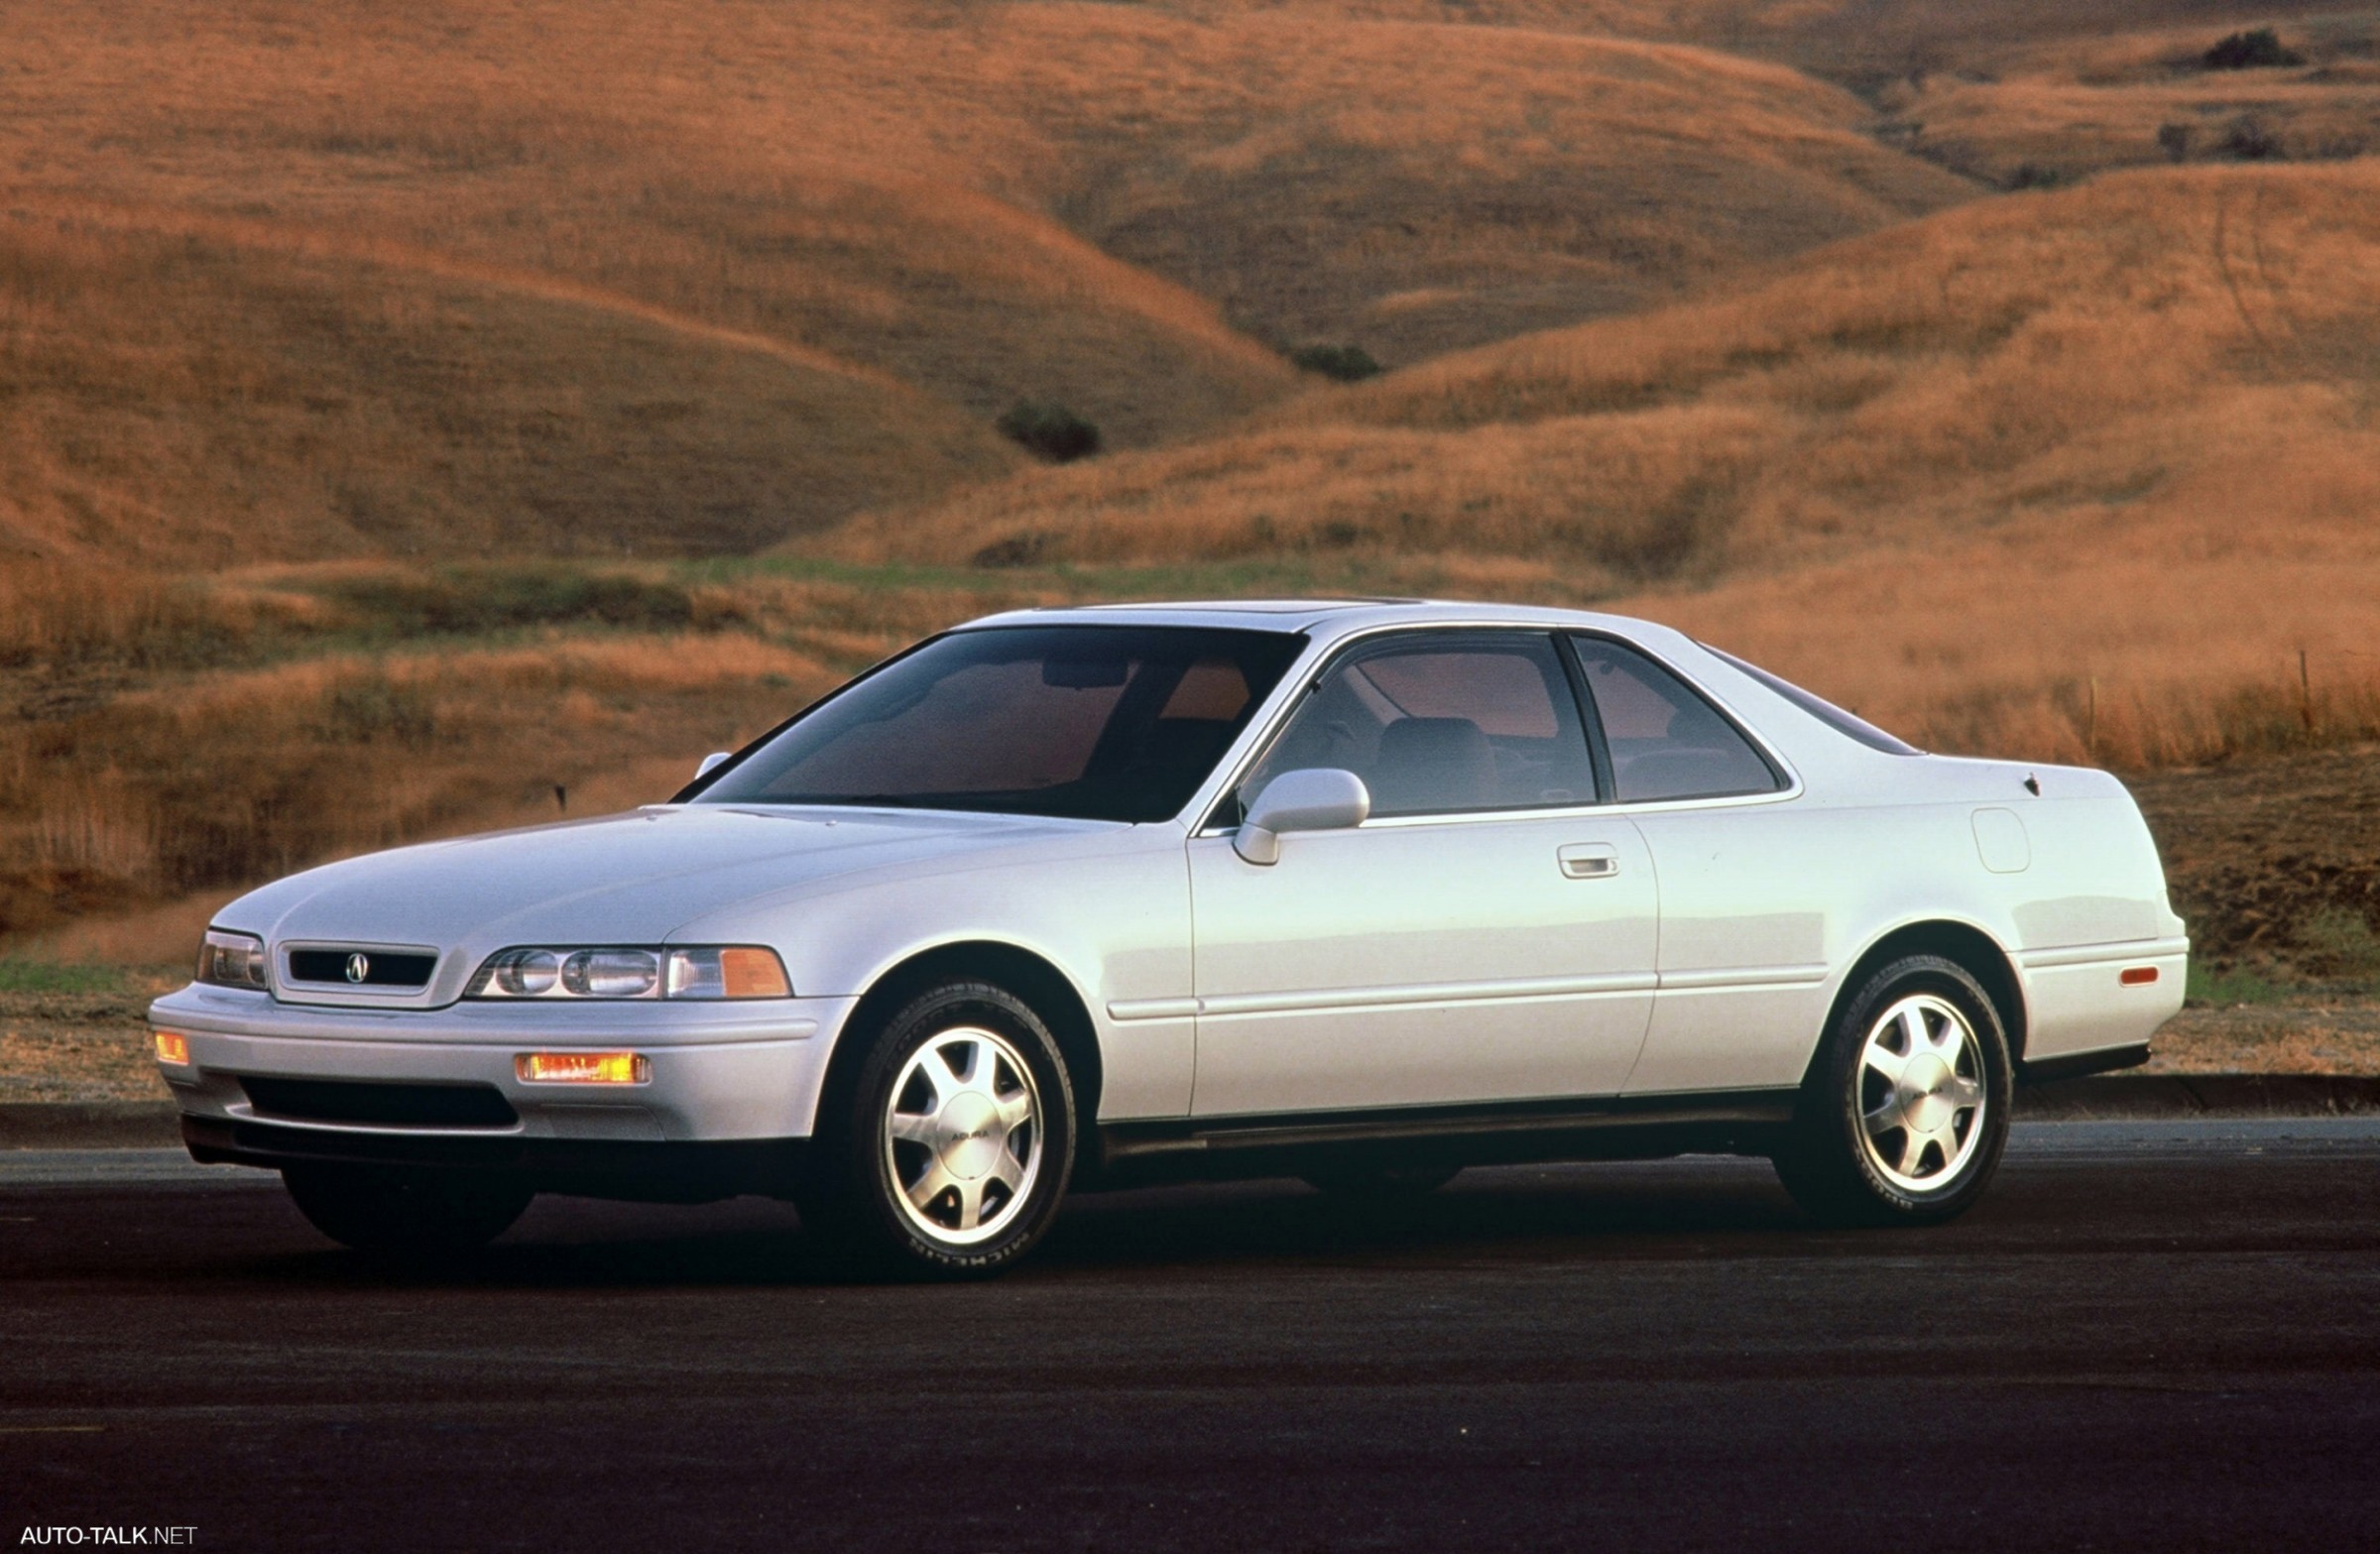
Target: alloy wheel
962 1136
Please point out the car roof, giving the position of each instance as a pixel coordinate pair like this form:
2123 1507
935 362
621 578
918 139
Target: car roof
1339 616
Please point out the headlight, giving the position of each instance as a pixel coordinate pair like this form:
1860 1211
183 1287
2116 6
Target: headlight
233 960
734 971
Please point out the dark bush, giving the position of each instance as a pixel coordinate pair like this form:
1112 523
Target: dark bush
1049 430
2248 140
1339 363
2175 141
474 599
1014 551
2032 175
2253 50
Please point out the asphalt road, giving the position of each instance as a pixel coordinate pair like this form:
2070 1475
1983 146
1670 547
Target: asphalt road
2149 1336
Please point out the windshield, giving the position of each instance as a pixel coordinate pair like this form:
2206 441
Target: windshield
1083 722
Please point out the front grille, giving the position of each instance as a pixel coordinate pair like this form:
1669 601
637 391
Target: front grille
390 1106
381 968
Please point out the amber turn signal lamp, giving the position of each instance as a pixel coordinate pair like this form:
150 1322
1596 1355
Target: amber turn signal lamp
2137 976
582 1068
173 1048
753 974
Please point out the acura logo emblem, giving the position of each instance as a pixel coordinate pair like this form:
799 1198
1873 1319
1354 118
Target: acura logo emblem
359 966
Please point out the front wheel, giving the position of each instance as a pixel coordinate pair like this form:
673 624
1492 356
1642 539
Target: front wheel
1905 1114
957 1141
406 1214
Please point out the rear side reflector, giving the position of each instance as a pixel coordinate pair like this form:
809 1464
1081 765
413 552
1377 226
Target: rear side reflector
582 1068
2137 976
173 1048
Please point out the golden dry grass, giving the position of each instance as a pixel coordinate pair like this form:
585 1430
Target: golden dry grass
173 739
1950 473
500 207
209 392
2065 109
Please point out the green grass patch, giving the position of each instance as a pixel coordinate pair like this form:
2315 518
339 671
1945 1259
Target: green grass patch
38 976
2239 984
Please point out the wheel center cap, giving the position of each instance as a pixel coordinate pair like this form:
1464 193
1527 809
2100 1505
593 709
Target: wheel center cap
1921 1090
969 1136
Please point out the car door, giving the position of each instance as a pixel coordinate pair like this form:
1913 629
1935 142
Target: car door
1489 934
1747 877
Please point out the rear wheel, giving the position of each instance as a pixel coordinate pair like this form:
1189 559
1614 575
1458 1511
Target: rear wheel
402 1213
1905 1115
956 1144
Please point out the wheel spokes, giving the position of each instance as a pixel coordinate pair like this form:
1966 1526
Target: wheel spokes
917 1128
966 1102
932 1184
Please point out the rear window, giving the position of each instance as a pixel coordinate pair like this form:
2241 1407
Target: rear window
1666 742
1849 725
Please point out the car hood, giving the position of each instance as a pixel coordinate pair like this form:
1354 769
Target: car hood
626 878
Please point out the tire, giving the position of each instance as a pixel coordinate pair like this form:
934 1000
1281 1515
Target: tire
953 1144
406 1215
1370 1183
1905 1112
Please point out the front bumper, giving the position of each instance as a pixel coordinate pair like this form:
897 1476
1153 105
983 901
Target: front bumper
719 1073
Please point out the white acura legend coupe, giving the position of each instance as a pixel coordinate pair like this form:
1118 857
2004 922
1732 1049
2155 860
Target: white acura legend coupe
1360 891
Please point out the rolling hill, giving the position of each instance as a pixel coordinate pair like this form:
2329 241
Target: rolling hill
2127 430
903 217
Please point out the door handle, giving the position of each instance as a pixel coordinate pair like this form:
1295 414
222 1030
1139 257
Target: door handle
1588 860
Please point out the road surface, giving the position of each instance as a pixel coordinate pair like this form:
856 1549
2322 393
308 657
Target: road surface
2149 1336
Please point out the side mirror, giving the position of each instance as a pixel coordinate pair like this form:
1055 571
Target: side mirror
1316 798
710 763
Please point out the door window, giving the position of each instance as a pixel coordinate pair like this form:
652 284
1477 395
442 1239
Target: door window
1442 725
1666 741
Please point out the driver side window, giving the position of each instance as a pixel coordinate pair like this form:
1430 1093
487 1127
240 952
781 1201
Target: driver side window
1443 724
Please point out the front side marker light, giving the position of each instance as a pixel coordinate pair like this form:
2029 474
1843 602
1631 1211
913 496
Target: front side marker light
173 1047
735 972
582 1068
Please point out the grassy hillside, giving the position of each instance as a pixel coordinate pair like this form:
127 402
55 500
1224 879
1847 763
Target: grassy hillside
206 391
2058 112
1953 471
464 242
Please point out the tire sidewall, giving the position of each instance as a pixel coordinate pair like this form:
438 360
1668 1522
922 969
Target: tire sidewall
1834 1132
860 1194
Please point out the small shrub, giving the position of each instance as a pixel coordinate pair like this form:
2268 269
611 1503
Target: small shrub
2341 943
473 599
2259 50
1339 363
1014 551
2032 175
373 709
2175 141
1049 430
2248 140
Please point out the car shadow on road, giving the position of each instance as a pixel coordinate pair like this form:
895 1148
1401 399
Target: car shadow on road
1513 1215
